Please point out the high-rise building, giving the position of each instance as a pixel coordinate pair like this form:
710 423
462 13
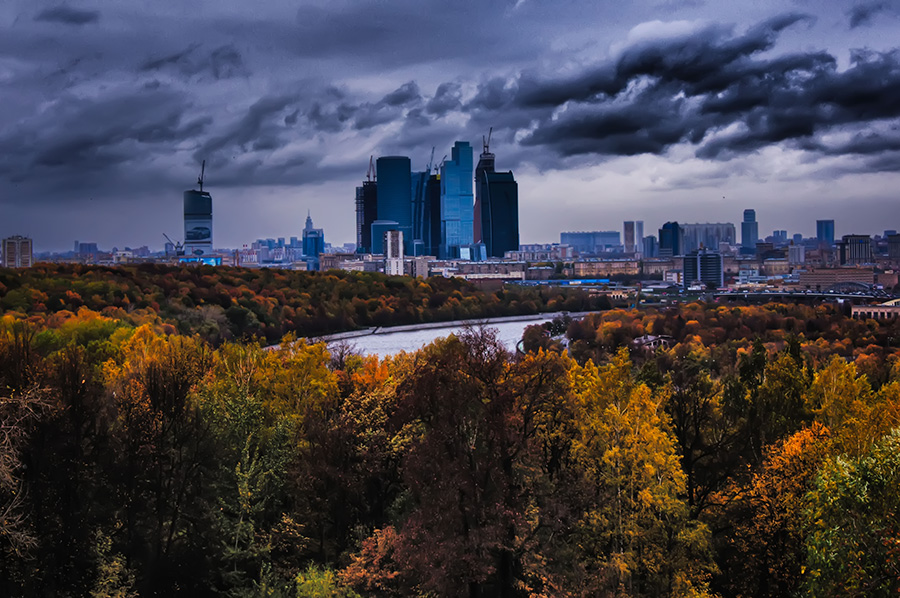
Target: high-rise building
855 249
432 218
366 214
198 224
496 218
393 252
650 246
825 232
418 193
379 228
893 246
638 234
313 243
628 230
457 200
394 177
18 252
709 235
749 232
670 242
591 242
796 254
703 266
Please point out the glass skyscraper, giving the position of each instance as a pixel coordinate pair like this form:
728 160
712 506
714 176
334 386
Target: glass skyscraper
394 176
457 199
825 232
749 232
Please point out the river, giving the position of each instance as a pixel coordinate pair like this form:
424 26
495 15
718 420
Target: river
390 341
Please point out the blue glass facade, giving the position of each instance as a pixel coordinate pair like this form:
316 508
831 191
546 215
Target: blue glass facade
394 176
457 200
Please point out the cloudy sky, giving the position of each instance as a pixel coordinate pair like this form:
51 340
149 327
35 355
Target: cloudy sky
658 110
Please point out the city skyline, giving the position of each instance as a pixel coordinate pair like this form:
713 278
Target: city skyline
653 111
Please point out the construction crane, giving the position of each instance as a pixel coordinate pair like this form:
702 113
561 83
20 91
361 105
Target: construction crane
371 174
430 161
200 178
179 248
487 142
437 167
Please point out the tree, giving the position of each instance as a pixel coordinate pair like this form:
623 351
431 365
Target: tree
853 523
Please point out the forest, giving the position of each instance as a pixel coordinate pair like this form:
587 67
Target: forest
227 304
758 455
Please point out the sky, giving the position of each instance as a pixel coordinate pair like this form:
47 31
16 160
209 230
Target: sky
652 110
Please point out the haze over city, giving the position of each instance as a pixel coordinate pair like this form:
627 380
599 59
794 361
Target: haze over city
605 112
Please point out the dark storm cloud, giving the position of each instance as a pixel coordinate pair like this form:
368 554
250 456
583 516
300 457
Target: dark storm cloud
408 93
67 15
723 93
447 97
258 129
79 140
864 13
222 63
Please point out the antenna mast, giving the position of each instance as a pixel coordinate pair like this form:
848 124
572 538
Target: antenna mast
200 179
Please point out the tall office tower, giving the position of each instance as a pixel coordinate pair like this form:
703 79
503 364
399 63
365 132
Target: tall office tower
629 236
704 266
825 232
638 235
855 249
749 232
796 254
366 210
313 243
432 217
496 218
708 235
17 252
198 224
395 195
670 240
893 246
393 252
457 210
780 237
650 246
419 188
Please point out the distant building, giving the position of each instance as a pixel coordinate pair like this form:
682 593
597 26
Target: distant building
18 252
708 235
198 223
393 252
628 230
650 247
366 214
855 249
591 242
825 232
457 201
418 192
796 254
893 246
431 229
313 243
474 252
394 177
670 242
703 266
379 227
497 205
749 232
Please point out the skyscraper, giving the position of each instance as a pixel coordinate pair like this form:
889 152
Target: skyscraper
198 221
313 243
825 232
395 194
366 214
418 191
749 232
628 230
703 266
457 210
638 235
496 221
670 240
432 225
